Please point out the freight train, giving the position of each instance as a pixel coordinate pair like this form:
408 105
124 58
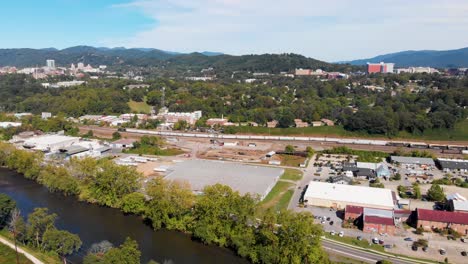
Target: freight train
416 145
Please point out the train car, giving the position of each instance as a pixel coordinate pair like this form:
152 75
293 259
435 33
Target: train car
301 138
459 147
452 151
257 137
438 146
286 138
419 145
398 144
228 136
317 139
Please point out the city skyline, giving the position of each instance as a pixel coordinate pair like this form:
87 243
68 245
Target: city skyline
335 31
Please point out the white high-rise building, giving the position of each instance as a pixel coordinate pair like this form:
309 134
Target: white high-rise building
51 64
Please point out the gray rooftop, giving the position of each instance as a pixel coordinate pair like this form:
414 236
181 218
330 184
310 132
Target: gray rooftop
240 177
453 164
412 160
378 212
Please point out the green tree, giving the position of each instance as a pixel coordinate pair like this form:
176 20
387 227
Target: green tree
181 125
60 241
170 204
134 203
7 205
310 151
112 182
116 135
289 149
38 222
416 191
436 193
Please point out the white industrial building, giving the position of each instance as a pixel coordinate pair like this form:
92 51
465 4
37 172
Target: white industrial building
338 196
50 143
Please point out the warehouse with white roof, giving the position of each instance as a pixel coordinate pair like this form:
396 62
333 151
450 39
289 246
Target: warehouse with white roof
338 196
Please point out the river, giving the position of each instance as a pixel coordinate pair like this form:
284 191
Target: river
95 223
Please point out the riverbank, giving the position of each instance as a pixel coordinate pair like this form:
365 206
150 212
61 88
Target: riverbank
26 255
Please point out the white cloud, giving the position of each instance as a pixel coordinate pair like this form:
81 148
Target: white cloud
330 30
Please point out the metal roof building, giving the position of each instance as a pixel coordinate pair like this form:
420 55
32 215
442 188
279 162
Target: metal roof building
412 160
453 164
339 196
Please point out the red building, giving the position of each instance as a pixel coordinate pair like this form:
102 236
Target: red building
378 224
353 212
374 68
430 219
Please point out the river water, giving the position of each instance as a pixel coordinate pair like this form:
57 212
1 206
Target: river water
95 223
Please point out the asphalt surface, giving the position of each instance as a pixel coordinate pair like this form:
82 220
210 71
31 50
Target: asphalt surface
360 255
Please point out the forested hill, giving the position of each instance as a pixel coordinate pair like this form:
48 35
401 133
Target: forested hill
430 58
272 63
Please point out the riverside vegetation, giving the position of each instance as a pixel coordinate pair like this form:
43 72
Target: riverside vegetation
220 217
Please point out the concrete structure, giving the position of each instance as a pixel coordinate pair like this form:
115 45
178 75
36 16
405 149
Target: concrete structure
430 219
174 117
448 165
317 123
352 212
46 115
378 221
256 180
459 206
327 122
380 67
341 179
272 124
412 160
50 64
9 124
300 123
218 121
123 143
50 143
339 196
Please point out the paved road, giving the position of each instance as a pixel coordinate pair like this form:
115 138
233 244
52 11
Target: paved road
361 255
20 250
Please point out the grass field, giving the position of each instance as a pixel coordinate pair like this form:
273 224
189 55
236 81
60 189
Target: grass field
459 133
8 256
139 107
148 150
276 195
291 174
283 191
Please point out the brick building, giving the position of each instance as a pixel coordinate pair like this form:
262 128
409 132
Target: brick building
353 212
430 219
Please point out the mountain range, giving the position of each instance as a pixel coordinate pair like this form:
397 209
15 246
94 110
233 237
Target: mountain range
147 57
430 58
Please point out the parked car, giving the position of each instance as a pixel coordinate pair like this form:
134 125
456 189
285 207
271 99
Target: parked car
341 234
332 233
359 238
331 222
375 240
323 222
464 239
463 253
414 248
408 239
328 218
388 246
425 249
381 242
442 251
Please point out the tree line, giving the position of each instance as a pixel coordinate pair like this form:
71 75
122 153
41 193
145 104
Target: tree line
220 216
439 104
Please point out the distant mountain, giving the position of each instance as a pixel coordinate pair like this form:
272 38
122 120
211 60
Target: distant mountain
432 58
164 60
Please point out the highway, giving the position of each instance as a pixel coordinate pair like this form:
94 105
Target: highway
361 254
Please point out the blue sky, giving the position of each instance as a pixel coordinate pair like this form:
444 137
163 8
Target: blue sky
329 30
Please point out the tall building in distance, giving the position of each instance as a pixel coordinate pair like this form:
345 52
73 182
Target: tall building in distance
380 67
51 64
